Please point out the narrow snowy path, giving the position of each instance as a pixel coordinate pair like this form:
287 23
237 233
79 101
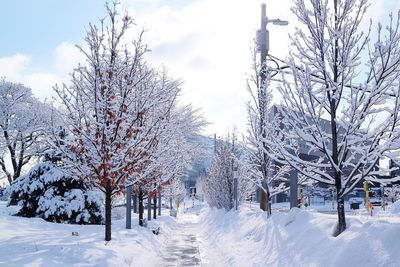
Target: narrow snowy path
183 247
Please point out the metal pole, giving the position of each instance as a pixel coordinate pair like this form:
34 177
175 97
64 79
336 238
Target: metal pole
128 206
293 189
264 40
263 47
263 55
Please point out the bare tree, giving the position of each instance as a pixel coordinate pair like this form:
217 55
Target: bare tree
340 97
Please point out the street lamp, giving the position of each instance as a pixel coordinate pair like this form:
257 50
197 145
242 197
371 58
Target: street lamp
262 40
278 22
263 33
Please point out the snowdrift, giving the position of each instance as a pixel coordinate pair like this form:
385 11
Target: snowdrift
395 208
300 238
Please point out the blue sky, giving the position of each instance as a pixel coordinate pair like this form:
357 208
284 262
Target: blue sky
206 43
37 27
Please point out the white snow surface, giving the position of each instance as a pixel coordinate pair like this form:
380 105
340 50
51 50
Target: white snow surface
35 242
235 238
395 208
298 238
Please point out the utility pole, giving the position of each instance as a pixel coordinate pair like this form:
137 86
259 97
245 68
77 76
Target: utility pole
263 48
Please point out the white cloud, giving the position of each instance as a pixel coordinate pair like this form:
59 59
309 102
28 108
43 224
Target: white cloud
66 57
18 68
13 66
41 84
207 44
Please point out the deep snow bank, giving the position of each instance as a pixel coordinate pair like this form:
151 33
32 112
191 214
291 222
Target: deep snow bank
299 238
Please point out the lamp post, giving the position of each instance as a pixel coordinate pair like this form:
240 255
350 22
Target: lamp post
263 47
263 34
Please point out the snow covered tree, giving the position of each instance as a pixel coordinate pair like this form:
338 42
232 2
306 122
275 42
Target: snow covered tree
174 190
172 153
340 97
393 192
47 192
23 122
264 172
218 185
113 109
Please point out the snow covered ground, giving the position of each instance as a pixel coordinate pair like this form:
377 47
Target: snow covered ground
35 242
301 238
243 238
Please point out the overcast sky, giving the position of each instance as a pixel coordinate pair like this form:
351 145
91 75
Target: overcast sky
206 43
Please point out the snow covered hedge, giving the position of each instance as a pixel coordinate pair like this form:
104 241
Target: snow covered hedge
49 193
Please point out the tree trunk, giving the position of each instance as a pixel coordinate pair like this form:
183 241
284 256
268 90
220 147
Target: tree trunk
141 208
159 203
134 199
268 204
108 214
155 206
335 151
148 207
263 197
341 216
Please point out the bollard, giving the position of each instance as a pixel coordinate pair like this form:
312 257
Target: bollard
128 206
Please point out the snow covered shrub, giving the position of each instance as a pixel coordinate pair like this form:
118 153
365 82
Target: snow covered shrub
48 193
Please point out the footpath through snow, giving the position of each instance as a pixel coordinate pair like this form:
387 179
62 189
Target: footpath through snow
182 248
